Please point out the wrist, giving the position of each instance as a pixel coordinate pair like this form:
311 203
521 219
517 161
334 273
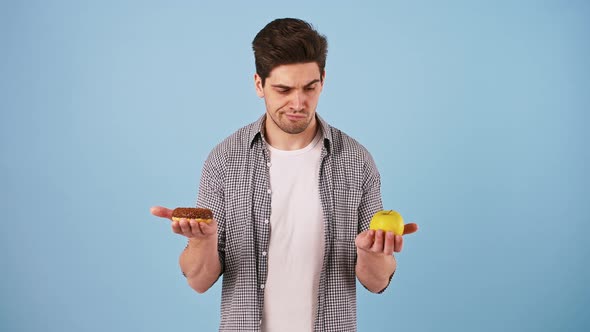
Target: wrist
196 243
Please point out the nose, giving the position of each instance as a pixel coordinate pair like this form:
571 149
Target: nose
298 101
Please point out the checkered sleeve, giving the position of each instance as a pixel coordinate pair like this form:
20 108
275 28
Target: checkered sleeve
371 201
211 195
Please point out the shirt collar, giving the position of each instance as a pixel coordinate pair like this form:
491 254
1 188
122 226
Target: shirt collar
256 131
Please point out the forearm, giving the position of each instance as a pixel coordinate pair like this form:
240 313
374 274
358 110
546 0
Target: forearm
200 263
374 270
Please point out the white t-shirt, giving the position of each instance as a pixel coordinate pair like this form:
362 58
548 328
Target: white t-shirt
296 249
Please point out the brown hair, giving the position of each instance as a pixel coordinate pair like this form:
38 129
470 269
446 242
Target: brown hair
287 41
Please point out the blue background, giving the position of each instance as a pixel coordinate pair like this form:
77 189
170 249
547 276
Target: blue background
476 113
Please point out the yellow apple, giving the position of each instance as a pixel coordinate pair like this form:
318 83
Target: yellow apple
388 221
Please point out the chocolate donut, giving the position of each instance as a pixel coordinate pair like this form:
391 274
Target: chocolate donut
197 214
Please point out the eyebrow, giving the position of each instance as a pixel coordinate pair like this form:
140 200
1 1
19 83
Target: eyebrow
282 86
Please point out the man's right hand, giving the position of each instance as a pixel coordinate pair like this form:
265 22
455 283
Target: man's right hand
199 261
192 230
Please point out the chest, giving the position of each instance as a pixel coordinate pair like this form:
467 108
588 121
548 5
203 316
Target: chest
250 185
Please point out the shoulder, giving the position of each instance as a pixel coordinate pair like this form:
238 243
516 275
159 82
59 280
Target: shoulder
235 145
352 163
345 146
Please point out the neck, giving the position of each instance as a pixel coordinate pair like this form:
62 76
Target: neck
281 140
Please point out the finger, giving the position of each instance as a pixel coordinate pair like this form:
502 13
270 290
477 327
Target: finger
378 244
410 228
369 239
208 228
185 226
365 239
162 212
176 227
398 243
389 243
195 230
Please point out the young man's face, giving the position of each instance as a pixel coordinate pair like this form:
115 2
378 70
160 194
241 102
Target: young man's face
291 94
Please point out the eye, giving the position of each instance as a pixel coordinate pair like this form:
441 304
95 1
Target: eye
284 91
310 88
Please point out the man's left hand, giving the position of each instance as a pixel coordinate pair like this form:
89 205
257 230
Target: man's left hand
380 242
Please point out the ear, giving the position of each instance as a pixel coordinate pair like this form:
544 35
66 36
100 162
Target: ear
323 80
258 85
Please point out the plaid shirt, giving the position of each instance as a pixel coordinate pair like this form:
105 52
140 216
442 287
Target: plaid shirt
235 186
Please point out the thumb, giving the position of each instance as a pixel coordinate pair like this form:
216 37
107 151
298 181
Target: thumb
162 212
410 228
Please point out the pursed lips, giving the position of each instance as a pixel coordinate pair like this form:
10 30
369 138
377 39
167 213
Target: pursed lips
295 116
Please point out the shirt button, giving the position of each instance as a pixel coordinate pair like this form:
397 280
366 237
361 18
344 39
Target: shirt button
269 191
266 221
268 164
262 286
264 253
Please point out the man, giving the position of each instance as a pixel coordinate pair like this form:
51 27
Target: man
292 198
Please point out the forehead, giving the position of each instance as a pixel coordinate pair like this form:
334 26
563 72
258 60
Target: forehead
295 74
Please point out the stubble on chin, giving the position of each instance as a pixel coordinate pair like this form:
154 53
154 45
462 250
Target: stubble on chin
292 127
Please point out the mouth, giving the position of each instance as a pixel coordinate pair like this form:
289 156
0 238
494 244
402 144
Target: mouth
295 116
